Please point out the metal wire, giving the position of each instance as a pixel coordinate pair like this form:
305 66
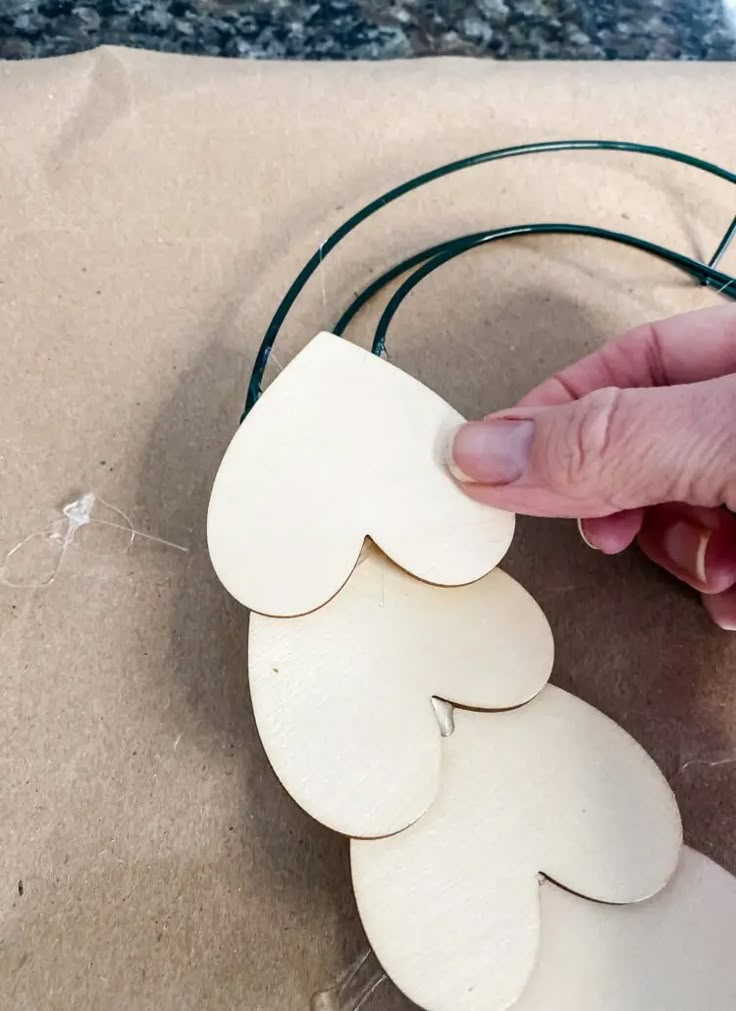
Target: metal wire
723 244
435 256
699 271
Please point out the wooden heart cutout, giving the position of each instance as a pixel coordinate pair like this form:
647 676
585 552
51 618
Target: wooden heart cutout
343 696
671 953
340 447
451 905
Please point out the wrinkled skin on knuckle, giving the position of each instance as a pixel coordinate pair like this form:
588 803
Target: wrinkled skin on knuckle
708 458
585 455
617 448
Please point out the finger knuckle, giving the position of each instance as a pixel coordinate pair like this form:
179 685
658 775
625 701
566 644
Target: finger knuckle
586 459
707 468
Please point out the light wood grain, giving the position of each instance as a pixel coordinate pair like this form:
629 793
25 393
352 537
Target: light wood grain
451 905
342 696
342 446
671 953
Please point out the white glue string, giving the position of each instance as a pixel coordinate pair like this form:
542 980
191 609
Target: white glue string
445 713
62 533
356 985
272 358
729 283
138 533
7 580
707 763
128 528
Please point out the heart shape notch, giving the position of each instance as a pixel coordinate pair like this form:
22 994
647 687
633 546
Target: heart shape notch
343 696
451 906
673 952
343 446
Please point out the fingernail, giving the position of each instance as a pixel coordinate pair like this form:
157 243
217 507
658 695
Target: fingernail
581 531
722 609
491 452
685 545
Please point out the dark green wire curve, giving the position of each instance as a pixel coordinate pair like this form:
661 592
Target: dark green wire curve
296 287
445 251
697 270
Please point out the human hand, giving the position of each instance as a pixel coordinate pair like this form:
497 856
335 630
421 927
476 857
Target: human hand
638 442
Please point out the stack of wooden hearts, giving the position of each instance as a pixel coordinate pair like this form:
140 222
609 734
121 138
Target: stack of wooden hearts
511 846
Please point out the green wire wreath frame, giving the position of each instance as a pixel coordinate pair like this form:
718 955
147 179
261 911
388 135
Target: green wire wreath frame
428 260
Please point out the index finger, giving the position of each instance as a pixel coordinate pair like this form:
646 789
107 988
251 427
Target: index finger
683 349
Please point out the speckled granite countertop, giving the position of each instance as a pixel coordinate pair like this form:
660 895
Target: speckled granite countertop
377 29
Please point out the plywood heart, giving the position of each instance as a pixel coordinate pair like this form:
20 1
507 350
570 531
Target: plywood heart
671 953
342 696
452 904
343 446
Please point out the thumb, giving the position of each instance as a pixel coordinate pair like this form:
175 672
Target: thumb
610 450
